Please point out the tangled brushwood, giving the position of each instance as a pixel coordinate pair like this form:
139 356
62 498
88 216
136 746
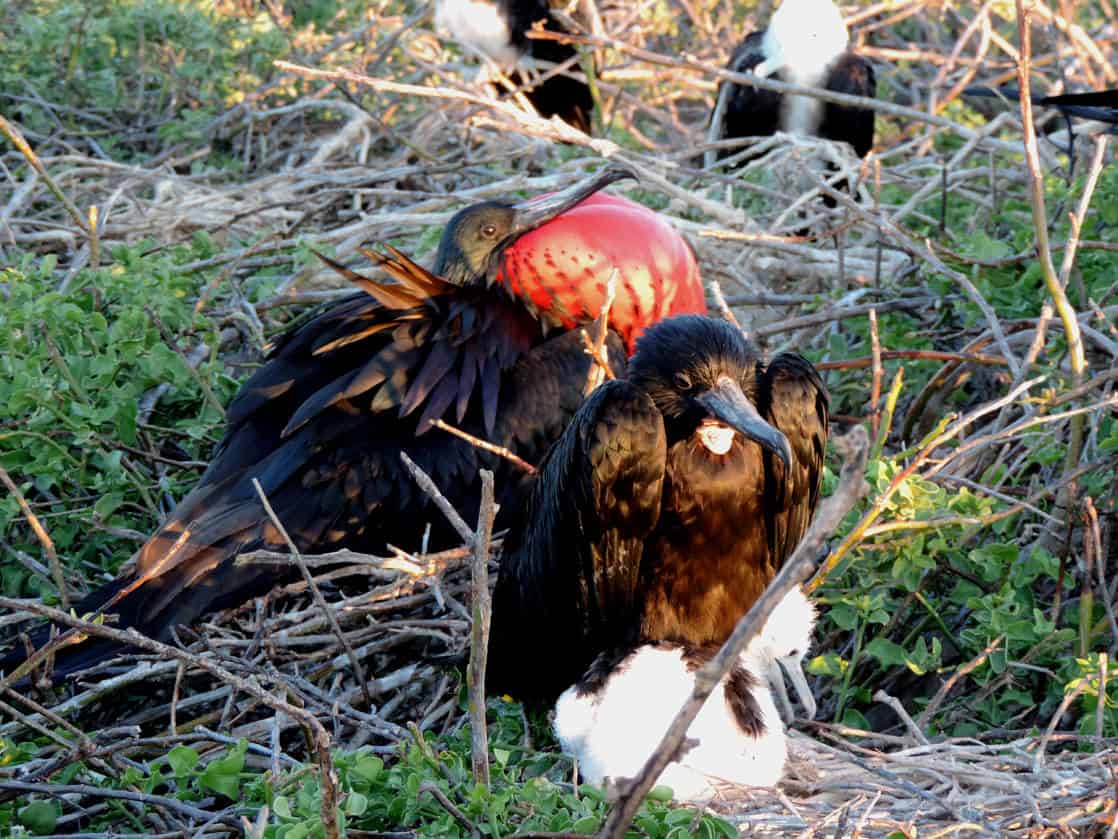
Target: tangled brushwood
170 170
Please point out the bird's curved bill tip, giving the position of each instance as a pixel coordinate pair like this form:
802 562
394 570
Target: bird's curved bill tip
726 402
534 212
793 669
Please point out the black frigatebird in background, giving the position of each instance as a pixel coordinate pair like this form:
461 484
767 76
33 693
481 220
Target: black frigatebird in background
481 340
669 503
498 29
805 43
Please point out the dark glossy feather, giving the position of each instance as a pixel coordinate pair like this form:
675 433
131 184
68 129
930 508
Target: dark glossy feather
750 111
851 74
571 562
319 425
797 406
559 95
1098 105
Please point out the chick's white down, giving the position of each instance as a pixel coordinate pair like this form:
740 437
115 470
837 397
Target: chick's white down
612 732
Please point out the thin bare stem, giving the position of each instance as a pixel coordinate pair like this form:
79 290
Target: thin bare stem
318 737
858 532
16 137
316 593
433 492
485 445
1067 313
481 612
40 534
878 373
596 347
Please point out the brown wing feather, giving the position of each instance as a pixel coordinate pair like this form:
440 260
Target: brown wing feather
798 407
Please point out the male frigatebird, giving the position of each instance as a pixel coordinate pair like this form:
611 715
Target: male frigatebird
615 716
663 511
498 29
806 43
481 340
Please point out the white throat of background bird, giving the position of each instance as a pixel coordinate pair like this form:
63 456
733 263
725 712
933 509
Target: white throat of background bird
479 25
803 40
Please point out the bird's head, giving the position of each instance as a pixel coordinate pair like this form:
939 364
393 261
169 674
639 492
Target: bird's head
476 237
703 376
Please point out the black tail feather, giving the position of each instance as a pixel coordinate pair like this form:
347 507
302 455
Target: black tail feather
1098 105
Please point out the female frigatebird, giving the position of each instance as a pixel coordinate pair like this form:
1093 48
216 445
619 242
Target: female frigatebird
663 511
615 716
481 340
805 43
498 29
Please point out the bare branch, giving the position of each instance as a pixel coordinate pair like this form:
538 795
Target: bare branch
479 633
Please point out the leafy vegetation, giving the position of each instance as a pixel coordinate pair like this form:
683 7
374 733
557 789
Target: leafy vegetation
113 378
76 366
530 791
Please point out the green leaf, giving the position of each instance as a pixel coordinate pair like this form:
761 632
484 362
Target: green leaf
723 827
182 759
281 806
587 824
922 659
844 616
40 817
887 653
368 767
828 664
356 804
854 719
223 775
997 661
680 816
107 504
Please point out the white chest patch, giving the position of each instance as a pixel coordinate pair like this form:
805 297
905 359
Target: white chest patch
802 40
716 437
614 731
478 25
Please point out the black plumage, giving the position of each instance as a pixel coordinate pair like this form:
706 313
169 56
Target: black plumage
666 507
1097 105
499 29
805 43
322 424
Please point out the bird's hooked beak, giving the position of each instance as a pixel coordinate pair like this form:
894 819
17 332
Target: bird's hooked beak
530 214
791 667
726 402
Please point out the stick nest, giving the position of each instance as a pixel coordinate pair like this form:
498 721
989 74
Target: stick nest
415 140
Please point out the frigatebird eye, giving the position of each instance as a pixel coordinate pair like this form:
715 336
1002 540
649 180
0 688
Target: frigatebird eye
682 381
489 231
